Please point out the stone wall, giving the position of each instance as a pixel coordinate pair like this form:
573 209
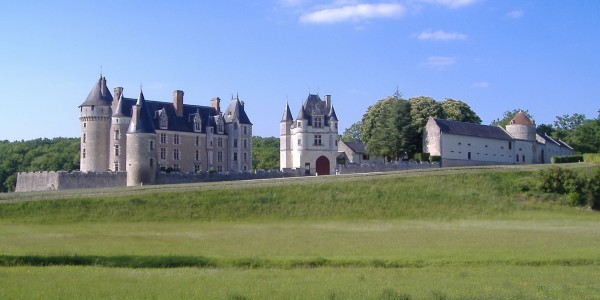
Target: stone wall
61 180
386 167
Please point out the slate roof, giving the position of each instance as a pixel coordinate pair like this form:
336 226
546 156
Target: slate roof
287 114
236 109
144 121
175 123
472 129
356 147
313 105
100 95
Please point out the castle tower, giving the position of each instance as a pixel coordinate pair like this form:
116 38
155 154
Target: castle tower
521 127
285 139
95 117
239 131
312 142
141 143
118 133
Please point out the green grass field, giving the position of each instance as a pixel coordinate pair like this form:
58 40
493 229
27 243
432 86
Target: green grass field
435 234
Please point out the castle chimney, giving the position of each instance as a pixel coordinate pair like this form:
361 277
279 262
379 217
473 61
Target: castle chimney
328 102
118 92
178 102
216 104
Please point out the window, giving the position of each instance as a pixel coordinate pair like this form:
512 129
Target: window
219 156
235 125
198 141
197 155
245 156
84 125
176 154
211 130
318 140
299 142
509 145
245 129
299 124
234 143
365 156
523 158
163 153
245 169
235 156
152 162
197 168
318 122
245 143
116 150
83 153
469 155
517 158
116 166
197 123
84 137
163 138
220 142
151 145
220 169
117 134
176 139
220 127
164 122
176 167
336 142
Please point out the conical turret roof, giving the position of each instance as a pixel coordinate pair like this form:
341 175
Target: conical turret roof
332 115
521 119
100 95
287 114
121 110
142 123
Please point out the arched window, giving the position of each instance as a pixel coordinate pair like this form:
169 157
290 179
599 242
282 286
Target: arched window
164 121
197 123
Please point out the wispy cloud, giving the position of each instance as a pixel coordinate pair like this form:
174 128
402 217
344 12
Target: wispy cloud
453 3
439 62
353 12
481 85
291 2
515 14
440 35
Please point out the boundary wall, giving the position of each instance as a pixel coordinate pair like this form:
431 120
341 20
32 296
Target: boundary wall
61 180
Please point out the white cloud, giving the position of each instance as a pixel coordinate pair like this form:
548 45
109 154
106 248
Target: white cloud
439 62
440 35
452 3
515 14
481 85
354 12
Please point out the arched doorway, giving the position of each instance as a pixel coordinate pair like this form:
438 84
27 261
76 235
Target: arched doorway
323 165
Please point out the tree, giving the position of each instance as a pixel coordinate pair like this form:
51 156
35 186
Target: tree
459 111
508 116
585 138
265 153
387 130
352 133
421 108
546 129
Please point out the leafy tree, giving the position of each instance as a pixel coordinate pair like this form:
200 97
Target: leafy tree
565 124
546 129
508 116
352 133
387 130
585 138
459 111
265 153
421 108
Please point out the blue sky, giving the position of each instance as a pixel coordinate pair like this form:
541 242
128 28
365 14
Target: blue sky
542 56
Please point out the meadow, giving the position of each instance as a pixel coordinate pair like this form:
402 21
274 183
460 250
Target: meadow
429 234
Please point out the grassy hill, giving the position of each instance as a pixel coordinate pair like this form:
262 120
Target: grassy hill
483 232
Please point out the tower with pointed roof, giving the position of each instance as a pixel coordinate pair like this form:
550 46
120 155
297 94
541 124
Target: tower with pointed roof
521 127
95 119
141 146
310 143
118 132
239 134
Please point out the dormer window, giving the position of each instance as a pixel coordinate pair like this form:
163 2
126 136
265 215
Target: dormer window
299 124
197 123
164 121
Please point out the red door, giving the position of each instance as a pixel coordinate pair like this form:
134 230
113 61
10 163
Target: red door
323 165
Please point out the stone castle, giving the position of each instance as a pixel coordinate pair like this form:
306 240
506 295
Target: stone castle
144 137
310 143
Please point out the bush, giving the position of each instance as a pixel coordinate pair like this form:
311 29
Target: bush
433 158
421 157
592 190
580 190
591 157
555 179
566 159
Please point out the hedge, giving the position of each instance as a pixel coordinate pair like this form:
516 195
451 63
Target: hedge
566 159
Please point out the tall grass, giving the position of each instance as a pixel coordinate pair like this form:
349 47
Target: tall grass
437 195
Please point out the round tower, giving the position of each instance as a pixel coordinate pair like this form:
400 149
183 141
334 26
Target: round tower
521 127
285 147
95 117
118 132
141 143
